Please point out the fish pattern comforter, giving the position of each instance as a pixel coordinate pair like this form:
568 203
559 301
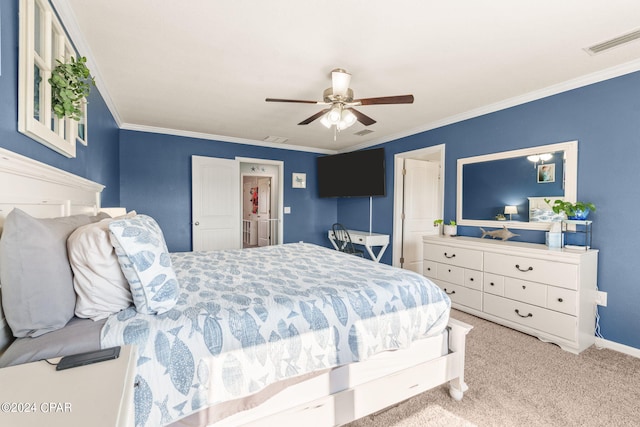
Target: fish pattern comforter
248 318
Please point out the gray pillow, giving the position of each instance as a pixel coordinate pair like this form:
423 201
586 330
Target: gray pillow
37 282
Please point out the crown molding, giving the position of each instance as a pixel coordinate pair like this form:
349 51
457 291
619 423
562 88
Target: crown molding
589 79
222 138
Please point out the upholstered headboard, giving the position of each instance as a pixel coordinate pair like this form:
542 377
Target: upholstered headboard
42 191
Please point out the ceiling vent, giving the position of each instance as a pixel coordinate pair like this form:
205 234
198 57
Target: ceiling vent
276 139
610 44
363 132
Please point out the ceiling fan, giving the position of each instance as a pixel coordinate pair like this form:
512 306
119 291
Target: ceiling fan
339 98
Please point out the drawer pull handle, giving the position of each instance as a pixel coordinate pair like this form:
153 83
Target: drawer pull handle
449 293
559 299
524 287
428 268
447 256
528 269
528 315
492 284
471 279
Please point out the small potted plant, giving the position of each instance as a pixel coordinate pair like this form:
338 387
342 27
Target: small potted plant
574 211
450 229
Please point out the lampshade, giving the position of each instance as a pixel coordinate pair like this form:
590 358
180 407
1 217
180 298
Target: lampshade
511 210
340 80
348 119
335 114
535 158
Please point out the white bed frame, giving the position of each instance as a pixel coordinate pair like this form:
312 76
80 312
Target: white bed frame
336 397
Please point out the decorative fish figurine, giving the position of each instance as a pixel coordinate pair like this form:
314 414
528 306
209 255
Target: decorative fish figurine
503 234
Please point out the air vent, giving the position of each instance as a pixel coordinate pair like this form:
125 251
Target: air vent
610 44
363 132
276 139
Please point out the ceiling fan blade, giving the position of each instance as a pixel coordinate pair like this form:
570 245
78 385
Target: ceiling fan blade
400 99
290 100
312 118
362 118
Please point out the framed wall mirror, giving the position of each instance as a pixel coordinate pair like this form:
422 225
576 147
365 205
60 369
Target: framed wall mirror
509 188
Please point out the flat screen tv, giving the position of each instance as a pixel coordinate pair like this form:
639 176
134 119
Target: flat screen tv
355 174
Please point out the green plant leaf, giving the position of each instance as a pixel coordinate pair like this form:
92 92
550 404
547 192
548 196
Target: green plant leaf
69 87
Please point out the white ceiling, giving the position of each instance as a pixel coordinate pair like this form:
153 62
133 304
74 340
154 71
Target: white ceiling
204 67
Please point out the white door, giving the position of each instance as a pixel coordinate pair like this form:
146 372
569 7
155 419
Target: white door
264 211
421 208
215 192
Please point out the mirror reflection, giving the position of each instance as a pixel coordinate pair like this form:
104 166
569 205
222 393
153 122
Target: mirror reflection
502 189
510 188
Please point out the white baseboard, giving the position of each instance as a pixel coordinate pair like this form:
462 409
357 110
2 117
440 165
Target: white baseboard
631 351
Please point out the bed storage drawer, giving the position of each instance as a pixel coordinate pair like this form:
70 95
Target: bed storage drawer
531 316
467 258
536 270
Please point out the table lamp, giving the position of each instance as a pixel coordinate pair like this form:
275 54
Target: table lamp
510 210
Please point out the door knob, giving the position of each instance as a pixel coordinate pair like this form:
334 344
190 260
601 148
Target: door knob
197 223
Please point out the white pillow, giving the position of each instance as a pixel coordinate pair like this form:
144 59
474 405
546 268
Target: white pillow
146 263
101 288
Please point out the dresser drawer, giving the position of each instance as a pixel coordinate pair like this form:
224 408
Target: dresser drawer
461 295
493 284
473 279
467 258
551 322
450 273
532 269
430 269
563 300
522 290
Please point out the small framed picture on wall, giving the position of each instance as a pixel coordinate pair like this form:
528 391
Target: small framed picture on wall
299 180
546 173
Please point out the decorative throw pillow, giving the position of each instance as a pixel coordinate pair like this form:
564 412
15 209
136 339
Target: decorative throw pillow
101 288
145 262
37 282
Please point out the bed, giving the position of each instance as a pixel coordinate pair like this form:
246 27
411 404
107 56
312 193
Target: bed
265 335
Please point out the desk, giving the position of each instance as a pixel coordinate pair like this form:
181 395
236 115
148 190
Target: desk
100 394
366 239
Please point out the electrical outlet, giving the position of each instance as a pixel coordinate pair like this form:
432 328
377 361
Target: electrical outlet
601 298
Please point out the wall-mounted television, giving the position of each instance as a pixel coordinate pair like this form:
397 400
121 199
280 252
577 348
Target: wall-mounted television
355 174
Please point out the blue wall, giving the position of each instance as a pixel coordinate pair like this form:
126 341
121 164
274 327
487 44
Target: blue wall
151 172
155 176
97 162
605 119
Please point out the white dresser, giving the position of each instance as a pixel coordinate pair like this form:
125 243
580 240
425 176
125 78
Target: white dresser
550 294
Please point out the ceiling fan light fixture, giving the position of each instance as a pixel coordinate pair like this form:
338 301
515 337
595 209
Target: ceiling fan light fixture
347 120
335 114
325 121
340 81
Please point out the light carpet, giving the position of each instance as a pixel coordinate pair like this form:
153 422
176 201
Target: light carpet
516 379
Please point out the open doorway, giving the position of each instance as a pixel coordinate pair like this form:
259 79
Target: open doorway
418 201
217 209
261 201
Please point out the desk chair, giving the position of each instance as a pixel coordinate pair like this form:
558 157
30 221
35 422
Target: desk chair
343 240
